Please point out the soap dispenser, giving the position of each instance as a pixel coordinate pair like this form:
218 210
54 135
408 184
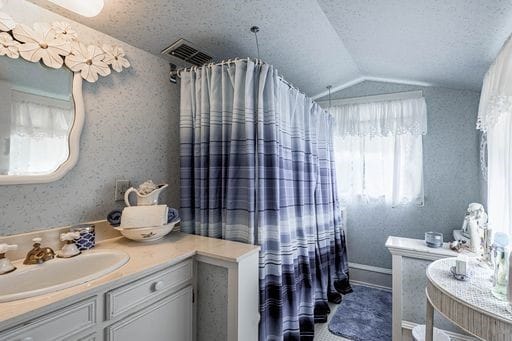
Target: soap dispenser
69 249
5 264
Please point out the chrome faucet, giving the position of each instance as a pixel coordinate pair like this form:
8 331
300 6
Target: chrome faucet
38 254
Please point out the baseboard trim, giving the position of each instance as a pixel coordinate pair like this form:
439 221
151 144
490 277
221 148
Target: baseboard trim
370 268
370 285
379 277
453 336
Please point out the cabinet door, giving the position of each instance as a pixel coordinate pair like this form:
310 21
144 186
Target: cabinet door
169 319
63 324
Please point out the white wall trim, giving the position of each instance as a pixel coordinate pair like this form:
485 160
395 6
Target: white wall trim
373 79
454 336
340 87
370 285
374 98
370 268
398 81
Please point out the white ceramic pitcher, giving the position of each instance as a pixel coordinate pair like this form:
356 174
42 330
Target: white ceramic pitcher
144 199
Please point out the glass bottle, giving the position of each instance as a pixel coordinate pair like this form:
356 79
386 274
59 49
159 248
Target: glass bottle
501 273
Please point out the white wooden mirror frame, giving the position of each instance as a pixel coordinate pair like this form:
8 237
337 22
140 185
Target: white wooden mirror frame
73 144
57 45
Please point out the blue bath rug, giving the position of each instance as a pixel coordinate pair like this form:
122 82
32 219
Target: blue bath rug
364 315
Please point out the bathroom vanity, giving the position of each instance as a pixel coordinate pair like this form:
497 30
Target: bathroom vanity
181 288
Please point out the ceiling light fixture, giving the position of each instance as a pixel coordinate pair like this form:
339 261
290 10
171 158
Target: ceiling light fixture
86 8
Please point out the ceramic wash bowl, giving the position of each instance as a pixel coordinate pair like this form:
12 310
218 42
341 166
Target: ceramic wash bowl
59 273
147 234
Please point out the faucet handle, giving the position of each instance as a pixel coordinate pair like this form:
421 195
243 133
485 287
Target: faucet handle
37 240
69 236
6 247
5 264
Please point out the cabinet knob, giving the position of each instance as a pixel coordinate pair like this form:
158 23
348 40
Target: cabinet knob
158 286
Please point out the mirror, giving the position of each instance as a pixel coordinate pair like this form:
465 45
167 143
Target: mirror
37 119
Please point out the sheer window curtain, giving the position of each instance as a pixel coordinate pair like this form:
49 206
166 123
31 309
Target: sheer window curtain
495 120
379 151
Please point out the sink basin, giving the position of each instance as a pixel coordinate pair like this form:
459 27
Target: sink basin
59 273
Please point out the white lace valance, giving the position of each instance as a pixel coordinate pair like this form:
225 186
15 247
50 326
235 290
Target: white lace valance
395 117
496 97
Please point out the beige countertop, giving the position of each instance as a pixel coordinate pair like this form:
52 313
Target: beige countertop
144 258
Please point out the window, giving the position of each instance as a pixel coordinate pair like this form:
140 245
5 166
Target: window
379 151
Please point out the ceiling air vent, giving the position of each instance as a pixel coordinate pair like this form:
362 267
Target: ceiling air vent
185 51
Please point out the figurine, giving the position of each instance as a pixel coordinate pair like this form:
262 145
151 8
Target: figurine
476 213
474 228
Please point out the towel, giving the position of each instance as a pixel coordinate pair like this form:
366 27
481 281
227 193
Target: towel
144 216
114 217
172 215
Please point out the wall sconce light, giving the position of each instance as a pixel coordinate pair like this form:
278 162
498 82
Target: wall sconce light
86 8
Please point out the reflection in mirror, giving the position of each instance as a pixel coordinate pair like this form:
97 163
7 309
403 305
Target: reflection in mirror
36 116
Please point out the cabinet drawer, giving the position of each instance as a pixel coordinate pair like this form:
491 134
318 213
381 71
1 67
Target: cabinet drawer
59 325
122 299
169 319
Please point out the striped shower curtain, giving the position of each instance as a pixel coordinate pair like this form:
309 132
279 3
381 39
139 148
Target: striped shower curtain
257 166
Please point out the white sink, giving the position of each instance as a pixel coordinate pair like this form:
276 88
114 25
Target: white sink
59 273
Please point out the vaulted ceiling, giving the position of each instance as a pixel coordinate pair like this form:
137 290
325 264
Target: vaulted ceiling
326 42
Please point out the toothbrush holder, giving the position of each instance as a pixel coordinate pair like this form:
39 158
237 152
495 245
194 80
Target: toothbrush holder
87 239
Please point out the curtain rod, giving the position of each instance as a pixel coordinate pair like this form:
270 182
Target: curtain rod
177 72
375 98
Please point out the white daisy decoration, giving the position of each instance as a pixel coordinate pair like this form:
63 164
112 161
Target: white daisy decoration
8 46
115 56
6 22
88 60
41 43
64 31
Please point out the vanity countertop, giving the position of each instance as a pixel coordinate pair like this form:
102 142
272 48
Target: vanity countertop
144 258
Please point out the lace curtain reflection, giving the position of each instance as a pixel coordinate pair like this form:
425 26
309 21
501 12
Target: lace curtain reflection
39 133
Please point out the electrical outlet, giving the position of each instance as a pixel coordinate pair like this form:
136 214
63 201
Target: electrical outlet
121 188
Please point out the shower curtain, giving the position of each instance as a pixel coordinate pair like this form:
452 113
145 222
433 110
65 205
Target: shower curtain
257 167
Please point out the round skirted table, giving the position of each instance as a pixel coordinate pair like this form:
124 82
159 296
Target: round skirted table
469 304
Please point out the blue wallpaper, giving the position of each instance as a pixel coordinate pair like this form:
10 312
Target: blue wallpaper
451 175
130 132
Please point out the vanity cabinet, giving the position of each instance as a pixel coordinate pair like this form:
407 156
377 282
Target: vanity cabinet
183 288
129 297
62 324
156 307
173 316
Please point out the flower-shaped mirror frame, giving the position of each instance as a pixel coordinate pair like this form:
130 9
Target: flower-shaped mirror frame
57 45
